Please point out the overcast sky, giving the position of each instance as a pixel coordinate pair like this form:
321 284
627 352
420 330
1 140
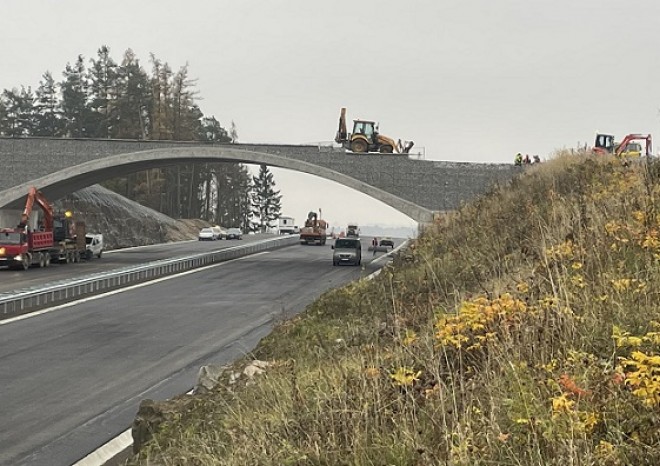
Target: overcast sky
466 80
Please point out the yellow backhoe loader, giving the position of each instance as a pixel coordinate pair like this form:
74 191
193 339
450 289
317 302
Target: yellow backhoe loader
366 138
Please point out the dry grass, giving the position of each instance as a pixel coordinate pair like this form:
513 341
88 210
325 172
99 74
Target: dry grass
522 330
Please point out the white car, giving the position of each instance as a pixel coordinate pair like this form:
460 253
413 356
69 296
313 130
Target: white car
207 234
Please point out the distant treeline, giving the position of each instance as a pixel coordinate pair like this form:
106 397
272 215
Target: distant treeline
106 99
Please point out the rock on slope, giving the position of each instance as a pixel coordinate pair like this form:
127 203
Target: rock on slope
125 223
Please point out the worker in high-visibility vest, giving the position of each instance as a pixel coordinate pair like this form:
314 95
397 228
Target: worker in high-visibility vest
518 161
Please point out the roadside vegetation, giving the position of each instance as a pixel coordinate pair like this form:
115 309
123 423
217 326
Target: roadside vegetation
523 329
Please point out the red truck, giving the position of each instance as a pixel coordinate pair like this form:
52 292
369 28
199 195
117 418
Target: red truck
57 238
314 231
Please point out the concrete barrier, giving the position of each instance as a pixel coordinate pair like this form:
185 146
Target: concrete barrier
21 302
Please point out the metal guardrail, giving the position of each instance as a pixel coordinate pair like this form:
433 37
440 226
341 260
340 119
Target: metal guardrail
23 301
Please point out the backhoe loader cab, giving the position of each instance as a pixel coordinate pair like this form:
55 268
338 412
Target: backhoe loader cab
368 128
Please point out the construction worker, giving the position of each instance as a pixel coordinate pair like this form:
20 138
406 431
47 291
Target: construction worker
518 161
527 160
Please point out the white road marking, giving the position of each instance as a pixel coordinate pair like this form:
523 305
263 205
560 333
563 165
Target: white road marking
112 448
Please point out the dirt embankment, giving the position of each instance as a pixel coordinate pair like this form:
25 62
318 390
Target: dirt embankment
125 223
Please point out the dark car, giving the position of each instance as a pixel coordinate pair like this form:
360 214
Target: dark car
234 233
387 242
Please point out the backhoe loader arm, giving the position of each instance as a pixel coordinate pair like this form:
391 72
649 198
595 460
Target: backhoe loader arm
342 133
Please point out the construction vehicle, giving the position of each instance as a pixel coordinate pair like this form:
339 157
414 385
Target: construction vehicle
56 238
69 236
286 226
352 231
366 138
314 231
22 247
605 144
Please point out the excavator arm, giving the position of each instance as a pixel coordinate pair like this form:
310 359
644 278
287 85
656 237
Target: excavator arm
635 137
37 196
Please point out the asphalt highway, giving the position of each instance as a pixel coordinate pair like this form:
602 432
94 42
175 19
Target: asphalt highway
72 378
12 280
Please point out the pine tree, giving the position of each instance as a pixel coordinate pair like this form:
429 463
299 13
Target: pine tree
133 99
102 78
266 202
3 116
161 99
75 89
19 112
186 115
210 130
49 120
243 195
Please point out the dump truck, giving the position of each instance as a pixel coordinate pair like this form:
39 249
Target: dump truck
56 237
366 138
22 247
314 231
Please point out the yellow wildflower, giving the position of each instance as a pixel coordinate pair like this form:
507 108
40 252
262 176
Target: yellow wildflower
589 420
409 338
522 287
562 403
621 284
405 376
578 281
604 451
639 216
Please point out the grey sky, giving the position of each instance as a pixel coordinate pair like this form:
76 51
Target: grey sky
466 80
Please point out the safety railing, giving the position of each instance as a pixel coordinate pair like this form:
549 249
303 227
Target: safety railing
27 300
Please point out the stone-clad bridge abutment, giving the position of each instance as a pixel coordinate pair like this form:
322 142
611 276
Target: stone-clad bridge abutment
416 188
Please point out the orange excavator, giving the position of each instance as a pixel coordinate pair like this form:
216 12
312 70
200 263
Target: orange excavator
37 196
366 138
22 247
605 144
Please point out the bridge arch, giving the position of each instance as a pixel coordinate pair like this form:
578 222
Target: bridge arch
60 183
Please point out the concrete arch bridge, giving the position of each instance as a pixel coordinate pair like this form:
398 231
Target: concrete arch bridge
417 188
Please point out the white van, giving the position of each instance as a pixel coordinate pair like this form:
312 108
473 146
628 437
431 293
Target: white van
94 245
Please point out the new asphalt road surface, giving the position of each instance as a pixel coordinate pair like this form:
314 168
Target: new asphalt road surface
72 376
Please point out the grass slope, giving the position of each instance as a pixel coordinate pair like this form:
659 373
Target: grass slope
523 330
